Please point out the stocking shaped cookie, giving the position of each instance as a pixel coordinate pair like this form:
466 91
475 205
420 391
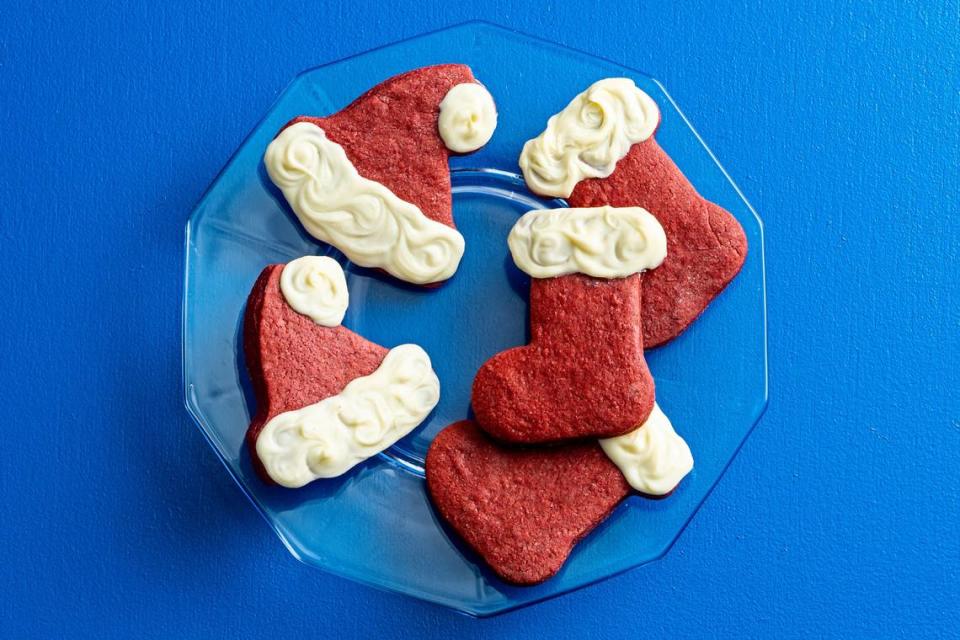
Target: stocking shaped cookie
523 509
326 397
600 150
373 179
583 375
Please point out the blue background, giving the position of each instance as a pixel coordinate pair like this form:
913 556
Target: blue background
841 515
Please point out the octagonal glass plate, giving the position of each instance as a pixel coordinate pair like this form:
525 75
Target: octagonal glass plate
375 524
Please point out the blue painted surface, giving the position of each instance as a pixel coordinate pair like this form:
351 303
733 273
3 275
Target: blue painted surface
839 517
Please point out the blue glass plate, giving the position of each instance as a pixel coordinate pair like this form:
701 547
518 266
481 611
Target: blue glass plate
376 525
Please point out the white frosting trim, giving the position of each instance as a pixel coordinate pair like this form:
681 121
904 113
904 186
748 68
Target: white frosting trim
589 137
316 287
603 242
328 438
653 458
362 218
468 117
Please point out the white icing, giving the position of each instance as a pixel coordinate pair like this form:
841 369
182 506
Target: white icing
653 458
316 287
328 438
468 117
362 218
589 137
603 242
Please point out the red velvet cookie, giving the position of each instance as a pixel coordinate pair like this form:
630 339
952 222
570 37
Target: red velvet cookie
583 375
390 135
293 361
373 180
522 510
706 246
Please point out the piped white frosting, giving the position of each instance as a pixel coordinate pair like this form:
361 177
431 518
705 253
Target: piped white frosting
362 218
316 287
589 137
603 242
653 458
372 412
468 117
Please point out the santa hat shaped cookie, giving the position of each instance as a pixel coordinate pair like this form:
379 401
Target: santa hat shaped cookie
326 397
373 180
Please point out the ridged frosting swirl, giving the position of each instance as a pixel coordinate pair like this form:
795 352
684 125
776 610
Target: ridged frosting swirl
362 218
603 242
468 117
653 458
588 137
316 287
372 412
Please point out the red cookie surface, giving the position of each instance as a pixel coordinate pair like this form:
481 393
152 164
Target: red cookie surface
522 510
390 135
706 245
294 362
583 375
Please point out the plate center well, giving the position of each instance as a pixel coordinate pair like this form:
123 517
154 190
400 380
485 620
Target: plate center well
480 311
